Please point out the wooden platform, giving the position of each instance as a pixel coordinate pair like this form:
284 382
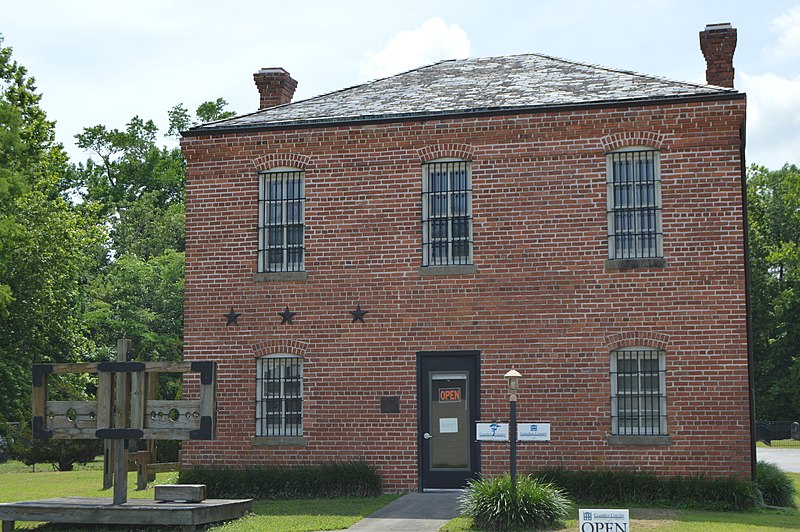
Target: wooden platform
143 512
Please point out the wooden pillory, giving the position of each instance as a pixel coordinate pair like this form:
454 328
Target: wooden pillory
126 409
123 411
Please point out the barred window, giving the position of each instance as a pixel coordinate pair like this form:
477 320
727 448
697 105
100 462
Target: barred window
281 221
279 396
634 205
638 399
446 213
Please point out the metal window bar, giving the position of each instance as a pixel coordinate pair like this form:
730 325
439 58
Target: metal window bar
279 401
446 213
634 205
638 398
281 222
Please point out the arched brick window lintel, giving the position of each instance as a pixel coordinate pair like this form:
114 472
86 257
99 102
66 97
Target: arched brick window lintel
275 160
653 340
465 152
280 346
617 141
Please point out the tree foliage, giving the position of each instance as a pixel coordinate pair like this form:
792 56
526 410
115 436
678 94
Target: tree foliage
181 120
138 187
774 234
45 242
61 454
89 252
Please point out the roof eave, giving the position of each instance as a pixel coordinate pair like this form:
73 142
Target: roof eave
429 115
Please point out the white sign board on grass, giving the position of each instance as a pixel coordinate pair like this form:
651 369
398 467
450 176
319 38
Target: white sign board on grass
533 431
492 431
603 521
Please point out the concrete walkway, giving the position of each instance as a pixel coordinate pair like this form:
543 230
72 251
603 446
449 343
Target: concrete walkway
415 512
787 459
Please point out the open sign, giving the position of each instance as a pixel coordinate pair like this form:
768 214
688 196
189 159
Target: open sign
449 395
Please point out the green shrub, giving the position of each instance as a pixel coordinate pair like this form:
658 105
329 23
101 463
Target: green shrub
775 485
61 454
496 504
334 479
628 487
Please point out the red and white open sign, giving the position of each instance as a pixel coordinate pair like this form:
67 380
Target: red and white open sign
449 395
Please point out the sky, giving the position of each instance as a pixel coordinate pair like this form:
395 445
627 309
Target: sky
104 62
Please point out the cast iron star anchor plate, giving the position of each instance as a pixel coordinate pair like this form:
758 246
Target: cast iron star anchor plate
233 317
287 315
358 314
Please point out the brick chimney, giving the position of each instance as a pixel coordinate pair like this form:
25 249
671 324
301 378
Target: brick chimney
718 42
275 86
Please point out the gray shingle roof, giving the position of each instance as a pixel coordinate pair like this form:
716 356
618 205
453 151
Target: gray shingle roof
473 85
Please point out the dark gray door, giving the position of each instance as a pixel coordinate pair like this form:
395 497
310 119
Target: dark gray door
448 409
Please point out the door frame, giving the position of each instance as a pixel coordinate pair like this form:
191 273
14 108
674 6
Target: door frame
475 407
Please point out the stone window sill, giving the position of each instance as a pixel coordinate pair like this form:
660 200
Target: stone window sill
648 441
271 277
278 441
456 269
630 264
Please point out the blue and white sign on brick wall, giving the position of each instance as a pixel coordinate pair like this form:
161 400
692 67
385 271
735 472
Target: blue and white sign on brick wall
603 521
491 431
533 431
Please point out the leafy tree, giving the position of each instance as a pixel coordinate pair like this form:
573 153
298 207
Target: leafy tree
45 242
61 454
180 120
142 300
774 233
139 188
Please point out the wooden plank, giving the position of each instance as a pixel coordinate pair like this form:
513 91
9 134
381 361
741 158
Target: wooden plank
39 400
137 400
58 414
168 367
180 492
104 397
120 472
152 394
70 367
142 458
172 415
165 434
108 460
120 421
164 467
143 512
75 434
153 468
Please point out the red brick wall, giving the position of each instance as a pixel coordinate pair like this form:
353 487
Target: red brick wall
541 300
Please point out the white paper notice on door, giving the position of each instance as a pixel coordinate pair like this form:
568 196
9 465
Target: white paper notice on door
448 425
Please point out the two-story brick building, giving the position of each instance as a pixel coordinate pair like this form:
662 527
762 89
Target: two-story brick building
366 265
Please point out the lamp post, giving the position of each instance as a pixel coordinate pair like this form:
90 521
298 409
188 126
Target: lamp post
513 377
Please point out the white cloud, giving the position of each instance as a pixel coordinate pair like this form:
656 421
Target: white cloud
773 119
787 26
434 40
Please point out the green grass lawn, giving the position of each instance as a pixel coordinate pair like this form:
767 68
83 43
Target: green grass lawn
667 520
678 521
18 483
780 444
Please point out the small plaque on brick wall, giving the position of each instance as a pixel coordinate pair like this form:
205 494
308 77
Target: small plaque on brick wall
390 404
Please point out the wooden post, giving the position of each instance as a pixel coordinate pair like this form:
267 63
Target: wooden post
142 461
152 445
105 387
120 421
108 467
